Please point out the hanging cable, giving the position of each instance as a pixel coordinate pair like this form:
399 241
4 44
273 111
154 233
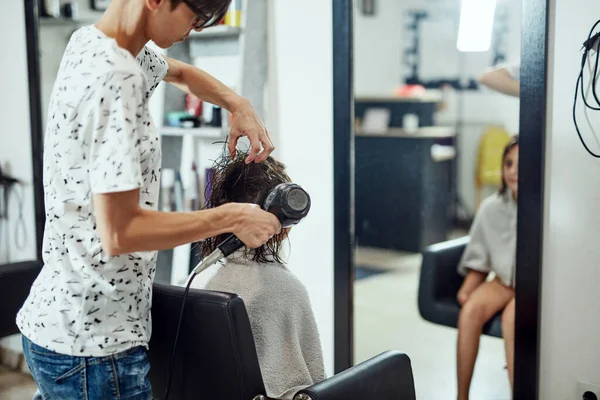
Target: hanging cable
591 44
20 226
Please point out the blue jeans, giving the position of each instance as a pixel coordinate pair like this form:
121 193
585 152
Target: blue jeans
123 376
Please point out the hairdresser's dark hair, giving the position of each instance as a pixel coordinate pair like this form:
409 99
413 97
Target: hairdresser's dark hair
514 141
209 11
234 181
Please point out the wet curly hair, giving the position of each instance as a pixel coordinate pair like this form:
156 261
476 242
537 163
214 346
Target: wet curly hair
234 181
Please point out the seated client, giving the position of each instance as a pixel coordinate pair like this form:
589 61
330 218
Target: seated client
278 305
491 249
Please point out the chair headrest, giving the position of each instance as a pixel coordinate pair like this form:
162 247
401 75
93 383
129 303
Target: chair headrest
216 355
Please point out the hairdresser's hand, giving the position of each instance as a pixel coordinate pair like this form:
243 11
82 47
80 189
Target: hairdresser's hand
245 122
255 226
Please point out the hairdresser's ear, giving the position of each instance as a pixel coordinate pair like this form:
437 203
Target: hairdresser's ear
153 5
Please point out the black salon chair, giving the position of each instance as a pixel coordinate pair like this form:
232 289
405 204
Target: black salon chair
216 356
440 283
15 282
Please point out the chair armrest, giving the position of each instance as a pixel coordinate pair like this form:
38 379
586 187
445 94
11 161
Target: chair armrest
15 283
440 281
386 376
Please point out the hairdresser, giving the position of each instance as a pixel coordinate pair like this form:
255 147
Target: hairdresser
86 323
503 78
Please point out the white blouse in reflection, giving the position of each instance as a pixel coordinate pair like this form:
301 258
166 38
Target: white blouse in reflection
492 244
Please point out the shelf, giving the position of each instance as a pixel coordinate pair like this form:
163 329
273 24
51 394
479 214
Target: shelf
429 96
216 32
422 132
202 132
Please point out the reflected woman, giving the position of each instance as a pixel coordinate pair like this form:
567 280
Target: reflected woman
488 265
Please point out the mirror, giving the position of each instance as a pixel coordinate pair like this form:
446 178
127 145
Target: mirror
429 144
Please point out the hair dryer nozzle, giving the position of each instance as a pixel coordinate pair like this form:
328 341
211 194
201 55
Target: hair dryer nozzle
289 202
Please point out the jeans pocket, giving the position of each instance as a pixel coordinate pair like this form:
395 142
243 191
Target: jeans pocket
131 371
56 368
53 366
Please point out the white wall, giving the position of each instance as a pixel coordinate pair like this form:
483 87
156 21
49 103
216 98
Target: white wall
379 42
570 348
15 135
378 47
301 99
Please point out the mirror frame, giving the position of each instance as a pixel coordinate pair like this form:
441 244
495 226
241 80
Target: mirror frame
532 127
343 184
530 213
35 116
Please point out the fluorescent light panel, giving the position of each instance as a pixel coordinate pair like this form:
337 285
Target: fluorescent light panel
476 25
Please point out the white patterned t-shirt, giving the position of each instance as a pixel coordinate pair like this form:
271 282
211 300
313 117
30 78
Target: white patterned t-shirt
99 138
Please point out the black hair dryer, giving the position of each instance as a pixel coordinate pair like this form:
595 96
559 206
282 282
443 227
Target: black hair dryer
287 201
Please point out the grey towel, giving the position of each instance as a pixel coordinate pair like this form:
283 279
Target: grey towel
282 320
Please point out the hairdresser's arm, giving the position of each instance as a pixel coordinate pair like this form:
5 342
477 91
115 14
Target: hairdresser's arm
501 80
245 121
125 227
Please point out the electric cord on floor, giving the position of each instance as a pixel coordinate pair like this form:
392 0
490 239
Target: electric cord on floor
174 351
591 44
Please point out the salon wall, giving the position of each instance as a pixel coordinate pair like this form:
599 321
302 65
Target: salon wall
570 349
15 139
300 118
379 42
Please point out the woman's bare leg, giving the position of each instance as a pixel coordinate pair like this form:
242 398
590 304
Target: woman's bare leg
508 332
482 304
